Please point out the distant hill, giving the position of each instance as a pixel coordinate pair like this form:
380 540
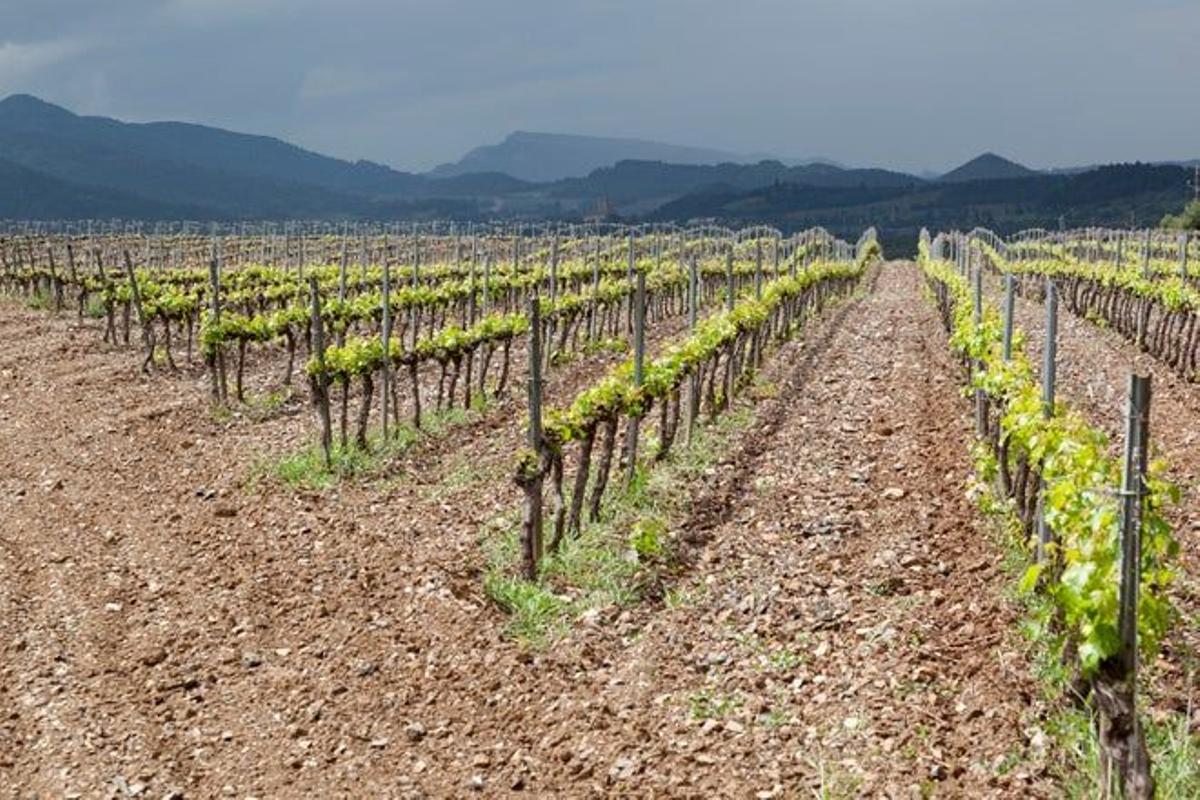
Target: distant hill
987 167
1110 195
186 145
547 157
56 164
215 173
219 174
1190 164
645 184
28 194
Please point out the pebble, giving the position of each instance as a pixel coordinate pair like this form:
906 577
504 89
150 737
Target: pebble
154 656
1038 742
621 768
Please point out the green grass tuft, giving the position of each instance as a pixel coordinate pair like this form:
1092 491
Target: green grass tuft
707 704
39 300
306 468
534 611
1176 756
614 559
94 308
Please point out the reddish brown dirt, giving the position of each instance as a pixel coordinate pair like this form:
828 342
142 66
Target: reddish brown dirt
165 628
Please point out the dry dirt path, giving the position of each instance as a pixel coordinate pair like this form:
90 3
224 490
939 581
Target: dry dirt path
844 630
165 629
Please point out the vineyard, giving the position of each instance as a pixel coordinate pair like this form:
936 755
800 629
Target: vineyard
598 510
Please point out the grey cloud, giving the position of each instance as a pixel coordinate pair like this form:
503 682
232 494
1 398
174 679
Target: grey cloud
924 83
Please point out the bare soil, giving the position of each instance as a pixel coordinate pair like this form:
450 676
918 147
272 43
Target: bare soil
168 629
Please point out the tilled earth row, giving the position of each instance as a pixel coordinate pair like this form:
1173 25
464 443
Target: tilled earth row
849 632
167 630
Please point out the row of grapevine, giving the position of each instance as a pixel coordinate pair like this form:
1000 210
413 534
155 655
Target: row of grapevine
261 303
1153 252
1154 304
444 321
1102 550
697 374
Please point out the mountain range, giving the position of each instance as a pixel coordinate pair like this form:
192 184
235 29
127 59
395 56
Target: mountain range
56 164
545 157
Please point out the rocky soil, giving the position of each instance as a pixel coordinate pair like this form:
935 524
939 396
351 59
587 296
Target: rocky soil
169 628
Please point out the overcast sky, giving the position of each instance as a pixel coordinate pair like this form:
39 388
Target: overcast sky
908 84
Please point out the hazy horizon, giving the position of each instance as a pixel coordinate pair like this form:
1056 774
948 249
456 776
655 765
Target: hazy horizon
924 87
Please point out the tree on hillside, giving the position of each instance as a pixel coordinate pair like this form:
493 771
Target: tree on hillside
1186 220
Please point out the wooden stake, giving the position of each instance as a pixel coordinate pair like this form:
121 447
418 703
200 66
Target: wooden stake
1049 374
386 335
1123 752
639 358
136 295
320 381
533 470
